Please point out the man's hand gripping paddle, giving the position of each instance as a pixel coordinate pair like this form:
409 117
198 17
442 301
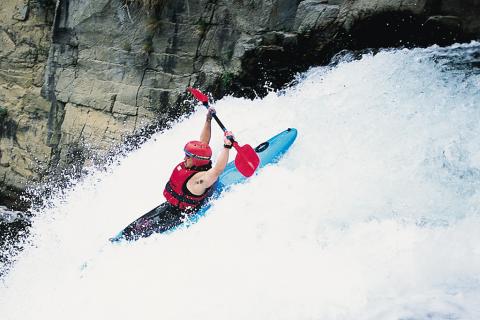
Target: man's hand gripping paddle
247 160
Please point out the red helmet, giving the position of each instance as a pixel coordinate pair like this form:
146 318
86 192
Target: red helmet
200 152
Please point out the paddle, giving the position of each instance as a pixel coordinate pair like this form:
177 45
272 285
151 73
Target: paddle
247 160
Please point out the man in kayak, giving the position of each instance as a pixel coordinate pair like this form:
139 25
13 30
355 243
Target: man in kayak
189 186
191 180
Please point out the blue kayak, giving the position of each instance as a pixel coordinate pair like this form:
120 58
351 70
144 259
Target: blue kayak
166 218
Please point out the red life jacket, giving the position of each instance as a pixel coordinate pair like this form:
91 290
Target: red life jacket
176 191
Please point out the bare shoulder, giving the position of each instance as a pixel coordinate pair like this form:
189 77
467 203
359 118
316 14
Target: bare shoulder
198 183
204 178
198 178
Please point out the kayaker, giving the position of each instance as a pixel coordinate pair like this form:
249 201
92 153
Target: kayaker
191 181
190 184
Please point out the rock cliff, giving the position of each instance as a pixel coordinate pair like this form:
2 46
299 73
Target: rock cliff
25 28
78 77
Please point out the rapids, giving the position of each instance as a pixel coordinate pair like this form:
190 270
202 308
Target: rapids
374 213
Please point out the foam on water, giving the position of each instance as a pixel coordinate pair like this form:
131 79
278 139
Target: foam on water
373 213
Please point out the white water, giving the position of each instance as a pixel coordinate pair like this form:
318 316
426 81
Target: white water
373 213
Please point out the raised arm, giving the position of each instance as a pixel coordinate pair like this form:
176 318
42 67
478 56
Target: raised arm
222 160
207 127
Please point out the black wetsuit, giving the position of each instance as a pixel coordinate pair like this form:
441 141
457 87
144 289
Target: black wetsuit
158 220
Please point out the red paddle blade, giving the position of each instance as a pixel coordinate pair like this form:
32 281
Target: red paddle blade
198 94
247 159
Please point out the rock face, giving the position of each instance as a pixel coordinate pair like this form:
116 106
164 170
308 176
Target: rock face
24 43
110 68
